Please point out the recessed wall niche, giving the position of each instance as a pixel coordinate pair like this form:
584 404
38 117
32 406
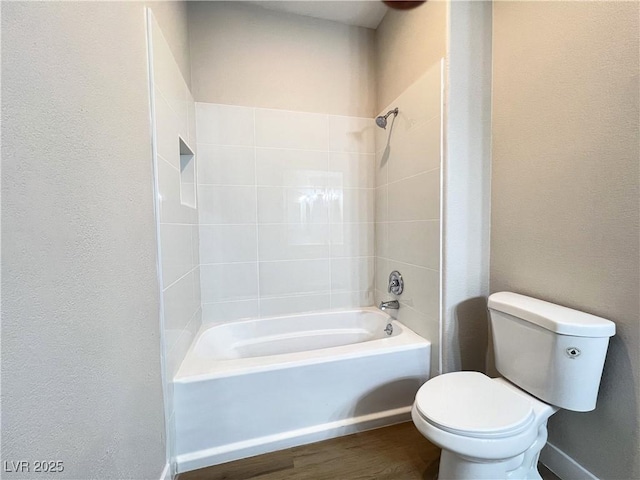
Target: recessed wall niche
187 175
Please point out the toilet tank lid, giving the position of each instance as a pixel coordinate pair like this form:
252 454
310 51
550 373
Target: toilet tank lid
556 318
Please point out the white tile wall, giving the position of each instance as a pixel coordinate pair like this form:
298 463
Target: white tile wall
416 243
285 198
351 134
414 198
304 241
295 304
223 204
306 205
224 125
292 168
170 206
407 206
352 240
351 205
285 129
294 277
226 282
226 165
178 234
180 305
228 243
352 274
223 311
177 252
352 299
351 170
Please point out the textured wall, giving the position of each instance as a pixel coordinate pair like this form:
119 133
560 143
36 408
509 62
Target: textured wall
565 186
248 56
173 21
407 43
80 331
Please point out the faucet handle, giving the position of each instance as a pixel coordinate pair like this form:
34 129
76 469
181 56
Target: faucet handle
396 284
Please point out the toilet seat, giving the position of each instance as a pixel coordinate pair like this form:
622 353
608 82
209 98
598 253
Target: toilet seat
471 404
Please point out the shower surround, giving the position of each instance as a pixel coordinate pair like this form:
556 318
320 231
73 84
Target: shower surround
294 212
173 121
286 211
408 206
289 204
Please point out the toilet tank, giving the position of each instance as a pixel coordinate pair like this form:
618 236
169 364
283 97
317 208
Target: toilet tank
553 352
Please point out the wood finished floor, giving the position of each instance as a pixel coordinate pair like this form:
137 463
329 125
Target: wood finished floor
398 452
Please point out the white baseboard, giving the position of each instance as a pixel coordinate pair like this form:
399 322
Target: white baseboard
563 465
166 473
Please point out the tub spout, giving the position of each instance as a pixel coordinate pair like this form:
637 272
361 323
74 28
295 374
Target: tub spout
391 304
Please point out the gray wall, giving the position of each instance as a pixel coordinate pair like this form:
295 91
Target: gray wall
407 43
466 187
173 20
565 188
250 56
80 328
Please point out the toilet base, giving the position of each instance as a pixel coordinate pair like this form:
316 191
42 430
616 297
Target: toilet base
456 467
520 467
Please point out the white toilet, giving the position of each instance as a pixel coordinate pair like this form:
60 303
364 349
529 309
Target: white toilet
551 357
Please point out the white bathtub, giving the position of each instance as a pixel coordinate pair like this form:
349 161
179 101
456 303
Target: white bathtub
255 386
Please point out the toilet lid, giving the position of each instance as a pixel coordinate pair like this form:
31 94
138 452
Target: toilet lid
473 405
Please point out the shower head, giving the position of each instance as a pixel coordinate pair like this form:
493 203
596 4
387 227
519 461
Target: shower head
381 121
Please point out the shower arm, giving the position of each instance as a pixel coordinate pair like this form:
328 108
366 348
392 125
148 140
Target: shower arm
394 111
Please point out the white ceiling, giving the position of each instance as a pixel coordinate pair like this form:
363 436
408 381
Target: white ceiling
366 13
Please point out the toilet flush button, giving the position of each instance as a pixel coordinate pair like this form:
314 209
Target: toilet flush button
573 352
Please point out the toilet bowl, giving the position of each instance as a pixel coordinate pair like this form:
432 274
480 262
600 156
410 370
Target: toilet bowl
487 428
550 356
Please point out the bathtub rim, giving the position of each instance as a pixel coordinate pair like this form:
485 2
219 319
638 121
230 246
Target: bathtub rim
191 368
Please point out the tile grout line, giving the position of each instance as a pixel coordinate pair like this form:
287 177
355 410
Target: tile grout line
410 177
285 110
389 259
185 329
316 150
168 162
319 187
441 212
329 216
255 181
310 293
180 278
292 224
294 295
351 257
386 208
